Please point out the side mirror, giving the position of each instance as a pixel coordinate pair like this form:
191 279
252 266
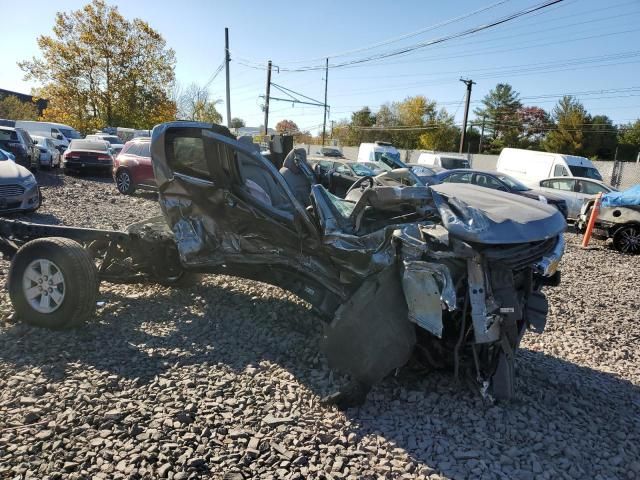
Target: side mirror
59 137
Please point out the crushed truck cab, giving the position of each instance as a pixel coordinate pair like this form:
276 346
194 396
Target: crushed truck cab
450 274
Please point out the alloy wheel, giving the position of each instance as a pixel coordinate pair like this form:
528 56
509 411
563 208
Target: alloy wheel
43 286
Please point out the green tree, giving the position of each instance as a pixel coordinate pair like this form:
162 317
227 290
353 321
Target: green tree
237 123
601 138
500 110
11 107
568 137
629 134
360 121
98 68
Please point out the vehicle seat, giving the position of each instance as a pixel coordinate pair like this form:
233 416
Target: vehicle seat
298 182
251 171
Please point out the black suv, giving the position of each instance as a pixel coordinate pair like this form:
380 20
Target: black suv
18 142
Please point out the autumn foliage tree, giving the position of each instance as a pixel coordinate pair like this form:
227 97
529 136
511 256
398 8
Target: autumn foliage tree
99 68
286 127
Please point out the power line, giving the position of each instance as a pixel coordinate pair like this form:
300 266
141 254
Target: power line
420 45
402 37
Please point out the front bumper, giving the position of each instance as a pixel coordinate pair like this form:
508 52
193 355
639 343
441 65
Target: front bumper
29 200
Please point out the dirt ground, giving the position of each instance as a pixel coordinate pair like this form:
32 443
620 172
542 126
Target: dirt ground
223 380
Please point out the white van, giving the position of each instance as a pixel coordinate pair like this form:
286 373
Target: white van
380 152
530 166
447 161
60 134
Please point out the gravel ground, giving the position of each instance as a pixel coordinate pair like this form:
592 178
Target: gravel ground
225 379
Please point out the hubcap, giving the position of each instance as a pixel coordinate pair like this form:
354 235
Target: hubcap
630 240
43 286
123 181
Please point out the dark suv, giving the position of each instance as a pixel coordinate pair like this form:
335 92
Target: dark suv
19 143
132 167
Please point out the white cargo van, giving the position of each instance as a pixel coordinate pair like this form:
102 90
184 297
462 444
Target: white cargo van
530 166
444 160
60 134
380 152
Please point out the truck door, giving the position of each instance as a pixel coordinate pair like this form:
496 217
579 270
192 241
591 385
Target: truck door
226 204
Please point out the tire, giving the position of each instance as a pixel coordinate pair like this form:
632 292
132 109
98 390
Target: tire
74 276
124 182
627 239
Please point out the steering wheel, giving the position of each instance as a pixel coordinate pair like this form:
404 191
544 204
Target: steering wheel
358 184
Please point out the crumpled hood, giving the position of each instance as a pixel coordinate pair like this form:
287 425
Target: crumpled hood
10 172
482 215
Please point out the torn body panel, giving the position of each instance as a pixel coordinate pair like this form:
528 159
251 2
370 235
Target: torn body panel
450 268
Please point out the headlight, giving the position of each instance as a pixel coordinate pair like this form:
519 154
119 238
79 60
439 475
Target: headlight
29 181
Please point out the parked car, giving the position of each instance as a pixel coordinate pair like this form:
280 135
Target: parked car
618 219
87 155
49 154
447 161
8 154
426 174
575 191
60 133
530 167
132 167
19 191
505 183
339 175
115 142
332 152
19 143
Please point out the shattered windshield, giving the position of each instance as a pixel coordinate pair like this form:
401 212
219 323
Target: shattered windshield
361 170
345 207
587 172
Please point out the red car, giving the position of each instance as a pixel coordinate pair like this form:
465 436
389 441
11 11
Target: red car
132 167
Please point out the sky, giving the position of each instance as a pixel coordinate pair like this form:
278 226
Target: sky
583 47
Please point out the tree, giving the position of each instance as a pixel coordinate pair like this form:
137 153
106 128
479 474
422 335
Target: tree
629 134
11 107
500 111
286 126
534 123
601 138
441 135
194 103
237 123
98 68
568 137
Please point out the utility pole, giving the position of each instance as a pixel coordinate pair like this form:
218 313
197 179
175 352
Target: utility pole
333 122
326 81
266 99
227 59
469 84
481 135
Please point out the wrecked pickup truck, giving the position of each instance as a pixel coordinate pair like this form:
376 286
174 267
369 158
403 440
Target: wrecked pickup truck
451 273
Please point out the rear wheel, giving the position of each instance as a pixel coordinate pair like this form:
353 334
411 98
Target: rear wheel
52 283
627 239
124 182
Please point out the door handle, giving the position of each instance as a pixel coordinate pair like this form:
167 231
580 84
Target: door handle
230 201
